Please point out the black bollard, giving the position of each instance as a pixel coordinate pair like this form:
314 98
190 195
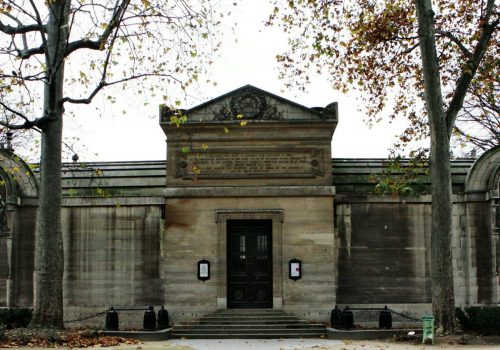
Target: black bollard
163 320
149 319
347 319
385 319
336 317
111 320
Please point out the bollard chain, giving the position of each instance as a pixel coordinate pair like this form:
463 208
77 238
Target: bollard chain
404 315
100 313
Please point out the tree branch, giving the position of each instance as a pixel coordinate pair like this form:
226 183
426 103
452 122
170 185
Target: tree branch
479 142
21 29
470 68
411 48
101 40
88 99
455 40
19 114
42 33
103 84
27 53
26 125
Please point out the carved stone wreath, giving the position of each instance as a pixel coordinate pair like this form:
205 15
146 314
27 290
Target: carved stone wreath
250 105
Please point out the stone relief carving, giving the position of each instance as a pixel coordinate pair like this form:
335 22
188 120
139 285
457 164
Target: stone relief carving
250 104
331 111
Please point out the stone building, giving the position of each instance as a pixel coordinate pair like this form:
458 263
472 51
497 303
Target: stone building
249 184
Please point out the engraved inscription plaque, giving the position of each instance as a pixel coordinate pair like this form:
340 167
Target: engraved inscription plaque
250 163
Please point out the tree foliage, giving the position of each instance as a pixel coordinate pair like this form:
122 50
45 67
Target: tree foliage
430 57
60 52
372 46
400 177
118 41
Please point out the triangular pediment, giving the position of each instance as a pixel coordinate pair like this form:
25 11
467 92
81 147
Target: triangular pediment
251 103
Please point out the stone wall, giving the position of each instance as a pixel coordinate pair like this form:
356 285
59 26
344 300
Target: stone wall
384 251
112 256
481 272
23 256
383 256
192 233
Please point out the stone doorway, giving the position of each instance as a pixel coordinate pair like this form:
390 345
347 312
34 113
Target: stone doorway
249 264
275 218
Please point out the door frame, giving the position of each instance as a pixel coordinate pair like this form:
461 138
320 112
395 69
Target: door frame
276 216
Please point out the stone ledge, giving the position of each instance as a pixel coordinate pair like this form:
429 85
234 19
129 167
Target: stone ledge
111 201
251 191
344 197
100 201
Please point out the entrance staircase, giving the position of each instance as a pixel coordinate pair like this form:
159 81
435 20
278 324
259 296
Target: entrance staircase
248 324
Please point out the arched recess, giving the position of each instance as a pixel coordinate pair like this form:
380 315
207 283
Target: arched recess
18 185
18 175
482 196
481 175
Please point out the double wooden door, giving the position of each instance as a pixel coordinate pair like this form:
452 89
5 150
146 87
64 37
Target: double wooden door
249 257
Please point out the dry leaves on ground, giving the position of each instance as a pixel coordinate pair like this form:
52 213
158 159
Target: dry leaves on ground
51 338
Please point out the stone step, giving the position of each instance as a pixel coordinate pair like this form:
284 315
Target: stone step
248 312
229 320
248 331
248 315
249 324
249 336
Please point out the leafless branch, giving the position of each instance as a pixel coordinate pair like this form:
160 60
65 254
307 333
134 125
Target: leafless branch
42 34
102 85
88 99
20 29
25 42
480 142
21 9
98 44
19 114
26 125
27 53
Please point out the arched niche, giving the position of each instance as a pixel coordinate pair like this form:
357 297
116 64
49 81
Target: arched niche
17 183
482 196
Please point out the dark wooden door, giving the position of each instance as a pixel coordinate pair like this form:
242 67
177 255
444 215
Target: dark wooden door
249 257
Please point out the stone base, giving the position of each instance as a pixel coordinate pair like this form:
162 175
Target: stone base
161 335
370 334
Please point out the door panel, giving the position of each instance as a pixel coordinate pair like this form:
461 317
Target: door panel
249 263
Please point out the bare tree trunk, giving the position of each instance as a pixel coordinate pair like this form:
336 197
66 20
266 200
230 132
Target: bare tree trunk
49 258
443 300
